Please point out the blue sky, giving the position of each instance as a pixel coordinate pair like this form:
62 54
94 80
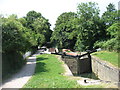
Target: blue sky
50 9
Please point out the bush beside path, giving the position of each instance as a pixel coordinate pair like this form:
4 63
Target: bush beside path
20 78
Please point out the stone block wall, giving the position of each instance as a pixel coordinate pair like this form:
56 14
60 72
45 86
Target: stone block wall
78 66
72 64
104 70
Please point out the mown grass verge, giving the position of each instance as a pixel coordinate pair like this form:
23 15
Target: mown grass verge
111 57
48 74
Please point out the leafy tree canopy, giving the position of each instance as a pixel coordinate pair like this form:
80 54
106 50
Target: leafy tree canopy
65 24
113 30
110 16
89 22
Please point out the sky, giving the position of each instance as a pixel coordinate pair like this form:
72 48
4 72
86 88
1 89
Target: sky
50 9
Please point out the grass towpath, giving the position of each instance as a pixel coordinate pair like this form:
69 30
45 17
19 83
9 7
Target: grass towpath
111 57
49 74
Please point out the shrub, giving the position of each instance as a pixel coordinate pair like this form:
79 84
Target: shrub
99 44
111 44
15 42
11 62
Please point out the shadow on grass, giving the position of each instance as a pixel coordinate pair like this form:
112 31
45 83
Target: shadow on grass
40 66
41 58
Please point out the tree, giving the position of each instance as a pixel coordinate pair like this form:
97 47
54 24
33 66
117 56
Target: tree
22 35
111 19
111 7
62 36
30 17
23 21
89 21
110 16
113 30
40 26
15 42
112 43
12 35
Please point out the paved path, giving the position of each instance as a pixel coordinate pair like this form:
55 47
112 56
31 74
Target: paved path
20 79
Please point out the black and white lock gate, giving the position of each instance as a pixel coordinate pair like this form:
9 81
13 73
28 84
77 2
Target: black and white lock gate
78 64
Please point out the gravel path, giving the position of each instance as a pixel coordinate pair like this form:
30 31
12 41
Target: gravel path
20 79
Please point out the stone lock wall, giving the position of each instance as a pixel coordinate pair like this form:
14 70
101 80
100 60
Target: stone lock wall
105 71
72 64
78 66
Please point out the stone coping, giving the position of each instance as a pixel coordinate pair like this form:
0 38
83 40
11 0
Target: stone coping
107 64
